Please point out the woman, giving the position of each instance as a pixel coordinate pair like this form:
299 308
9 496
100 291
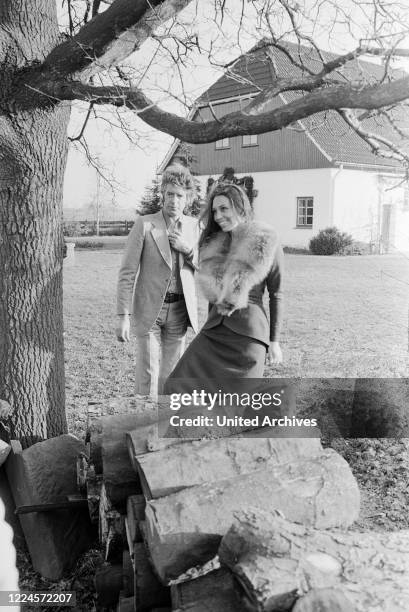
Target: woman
239 259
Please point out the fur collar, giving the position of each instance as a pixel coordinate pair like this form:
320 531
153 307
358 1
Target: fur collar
232 264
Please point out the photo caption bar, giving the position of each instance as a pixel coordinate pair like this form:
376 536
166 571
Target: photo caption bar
37 598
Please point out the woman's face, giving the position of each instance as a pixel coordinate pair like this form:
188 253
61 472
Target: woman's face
224 213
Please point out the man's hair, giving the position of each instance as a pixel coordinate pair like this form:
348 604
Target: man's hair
178 175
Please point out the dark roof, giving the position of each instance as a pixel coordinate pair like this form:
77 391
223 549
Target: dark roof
254 71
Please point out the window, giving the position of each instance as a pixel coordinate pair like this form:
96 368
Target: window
305 212
250 141
223 144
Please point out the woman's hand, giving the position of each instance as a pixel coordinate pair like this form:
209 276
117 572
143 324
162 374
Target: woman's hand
274 354
123 328
225 308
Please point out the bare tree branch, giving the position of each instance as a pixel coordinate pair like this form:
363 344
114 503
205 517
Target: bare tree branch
94 162
319 79
236 123
110 37
375 141
394 52
84 125
95 7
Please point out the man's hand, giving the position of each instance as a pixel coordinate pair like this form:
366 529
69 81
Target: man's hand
274 355
123 328
178 244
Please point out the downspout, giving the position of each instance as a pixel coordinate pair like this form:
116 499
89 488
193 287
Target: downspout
341 167
378 240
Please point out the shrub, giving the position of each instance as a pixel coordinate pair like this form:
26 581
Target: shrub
78 228
88 244
296 250
330 241
72 228
115 231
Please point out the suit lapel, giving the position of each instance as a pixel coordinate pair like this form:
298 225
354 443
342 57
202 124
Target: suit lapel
160 236
183 234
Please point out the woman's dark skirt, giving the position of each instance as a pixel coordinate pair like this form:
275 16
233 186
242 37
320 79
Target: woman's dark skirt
218 353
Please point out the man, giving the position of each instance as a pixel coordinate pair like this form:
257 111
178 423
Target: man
156 283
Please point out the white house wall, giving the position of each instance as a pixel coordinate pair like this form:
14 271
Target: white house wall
351 200
393 192
360 199
401 238
276 202
357 204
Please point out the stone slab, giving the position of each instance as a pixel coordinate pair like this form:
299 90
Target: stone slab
4 451
45 473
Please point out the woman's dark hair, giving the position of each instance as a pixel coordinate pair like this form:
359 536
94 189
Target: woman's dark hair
237 198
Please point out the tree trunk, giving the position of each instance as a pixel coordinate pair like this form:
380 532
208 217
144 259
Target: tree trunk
274 561
33 153
184 529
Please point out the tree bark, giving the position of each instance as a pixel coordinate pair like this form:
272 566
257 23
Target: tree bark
195 463
275 561
116 416
33 153
111 528
135 513
323 600
184 529
148 590
108 584
213 592
36 71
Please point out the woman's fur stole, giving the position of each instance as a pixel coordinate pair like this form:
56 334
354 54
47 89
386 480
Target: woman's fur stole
232 265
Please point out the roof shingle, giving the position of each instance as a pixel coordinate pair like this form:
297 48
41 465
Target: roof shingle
254 71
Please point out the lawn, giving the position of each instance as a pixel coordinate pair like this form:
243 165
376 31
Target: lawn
344 317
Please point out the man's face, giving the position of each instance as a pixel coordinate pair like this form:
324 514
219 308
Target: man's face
174 200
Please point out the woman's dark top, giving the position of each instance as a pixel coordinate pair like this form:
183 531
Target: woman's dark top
252 321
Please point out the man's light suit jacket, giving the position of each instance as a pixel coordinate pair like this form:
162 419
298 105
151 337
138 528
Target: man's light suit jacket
146 267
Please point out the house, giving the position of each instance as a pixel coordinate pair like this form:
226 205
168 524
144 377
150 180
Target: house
317 174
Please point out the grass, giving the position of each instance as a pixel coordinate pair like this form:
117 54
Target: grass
344 317
107 242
